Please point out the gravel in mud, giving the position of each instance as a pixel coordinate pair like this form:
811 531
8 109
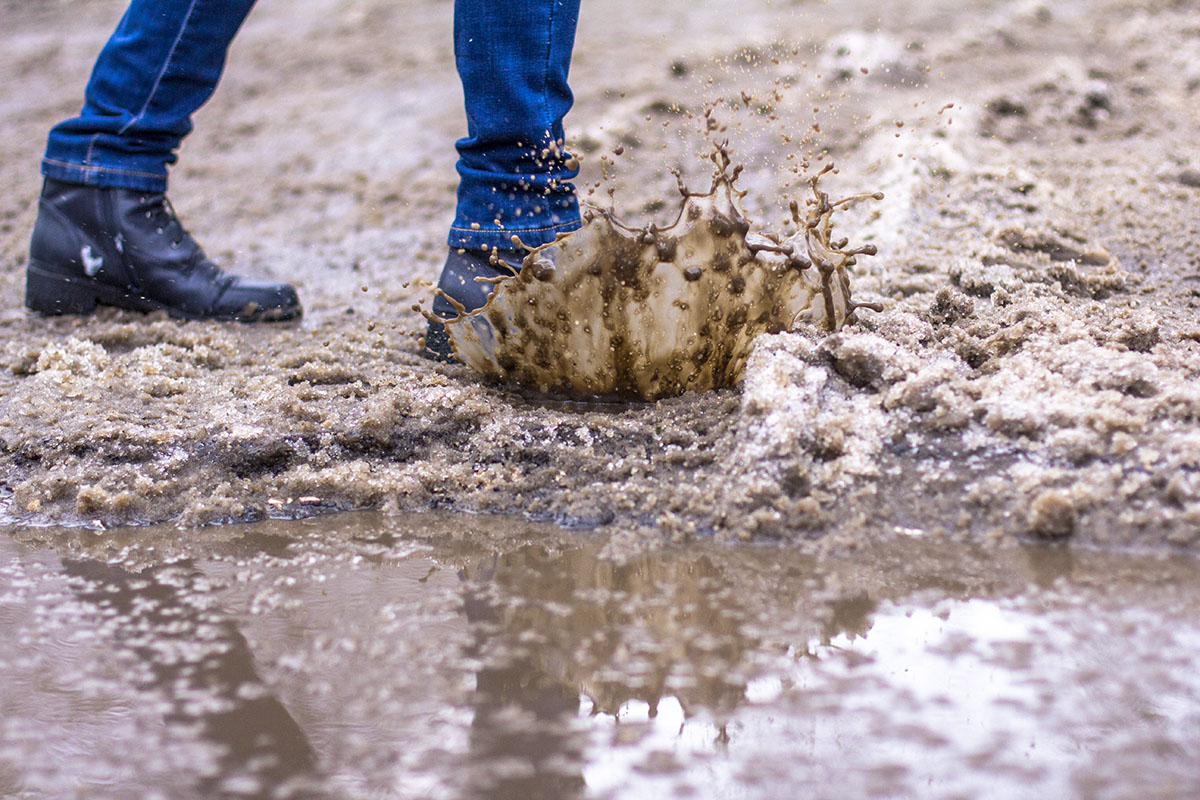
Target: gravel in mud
1034 373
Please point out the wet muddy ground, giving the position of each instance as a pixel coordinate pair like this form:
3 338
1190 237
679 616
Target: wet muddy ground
426 656
1033 375
971 516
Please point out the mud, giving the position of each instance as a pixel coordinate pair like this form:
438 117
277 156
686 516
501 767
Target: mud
418 656
1033 374
615 312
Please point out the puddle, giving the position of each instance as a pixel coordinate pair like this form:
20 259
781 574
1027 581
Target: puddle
461 657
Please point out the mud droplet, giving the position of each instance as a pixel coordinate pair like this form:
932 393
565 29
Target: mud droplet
543 269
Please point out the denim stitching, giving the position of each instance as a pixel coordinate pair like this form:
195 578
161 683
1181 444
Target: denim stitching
166 65
90 168
554 4
516 230
87 159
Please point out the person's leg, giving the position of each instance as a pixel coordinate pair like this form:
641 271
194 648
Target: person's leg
160 65
513 59
105 232
514 171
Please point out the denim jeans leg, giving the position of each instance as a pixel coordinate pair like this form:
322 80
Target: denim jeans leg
513 57
161 64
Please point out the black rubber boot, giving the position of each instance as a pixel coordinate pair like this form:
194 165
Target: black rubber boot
125 248
461 269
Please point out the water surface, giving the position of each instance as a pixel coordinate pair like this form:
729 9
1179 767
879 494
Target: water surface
462 657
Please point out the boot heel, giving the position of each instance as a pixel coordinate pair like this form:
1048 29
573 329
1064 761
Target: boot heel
48 293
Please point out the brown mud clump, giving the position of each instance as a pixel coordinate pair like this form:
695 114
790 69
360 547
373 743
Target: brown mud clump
612 310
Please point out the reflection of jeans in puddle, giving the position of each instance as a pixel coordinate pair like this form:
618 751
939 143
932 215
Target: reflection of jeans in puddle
166 57
522 745
203 665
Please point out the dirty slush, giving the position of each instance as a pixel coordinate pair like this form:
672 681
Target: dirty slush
1034 371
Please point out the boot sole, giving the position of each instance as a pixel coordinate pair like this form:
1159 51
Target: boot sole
51 293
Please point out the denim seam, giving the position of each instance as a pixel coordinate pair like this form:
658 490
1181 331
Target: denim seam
514 230
90 168
546 70
166 65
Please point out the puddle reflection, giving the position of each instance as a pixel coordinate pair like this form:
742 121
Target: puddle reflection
445 657
199 662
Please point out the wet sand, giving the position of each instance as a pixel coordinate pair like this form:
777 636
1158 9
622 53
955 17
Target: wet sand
1033 375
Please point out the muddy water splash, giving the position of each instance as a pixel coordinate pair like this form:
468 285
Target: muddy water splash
646 313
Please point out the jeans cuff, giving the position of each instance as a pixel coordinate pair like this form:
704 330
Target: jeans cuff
501 238
103 177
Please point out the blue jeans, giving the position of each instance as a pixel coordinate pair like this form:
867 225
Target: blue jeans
166 56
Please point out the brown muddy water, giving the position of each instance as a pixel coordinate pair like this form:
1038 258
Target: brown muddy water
369 656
